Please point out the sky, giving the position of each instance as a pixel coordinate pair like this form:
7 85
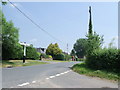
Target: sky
66 21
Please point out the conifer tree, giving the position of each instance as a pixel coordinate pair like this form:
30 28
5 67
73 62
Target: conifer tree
90 32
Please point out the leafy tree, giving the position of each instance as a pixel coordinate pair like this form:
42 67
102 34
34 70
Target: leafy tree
80 48
94 41
10 47
53 50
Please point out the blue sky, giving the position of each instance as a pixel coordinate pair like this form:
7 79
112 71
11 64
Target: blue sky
67 21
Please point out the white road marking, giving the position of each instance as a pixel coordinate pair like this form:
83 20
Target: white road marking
33 81
57 75
52 76
24 84
66 72
47 78
61 73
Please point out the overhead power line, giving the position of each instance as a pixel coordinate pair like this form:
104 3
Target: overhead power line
32 21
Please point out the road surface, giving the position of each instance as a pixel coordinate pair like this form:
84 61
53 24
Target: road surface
53 75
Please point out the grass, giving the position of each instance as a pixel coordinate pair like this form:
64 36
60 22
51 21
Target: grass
83 69
56 60
19 63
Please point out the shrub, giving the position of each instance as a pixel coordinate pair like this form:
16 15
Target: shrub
31 53
67 57
105 59
59 57
80 59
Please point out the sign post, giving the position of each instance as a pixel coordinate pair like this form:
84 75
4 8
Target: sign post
24 46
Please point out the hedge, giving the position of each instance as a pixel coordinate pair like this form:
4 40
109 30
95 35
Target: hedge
104 59
59 57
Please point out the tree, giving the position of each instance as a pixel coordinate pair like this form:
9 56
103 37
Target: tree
4 3
94 41
90 32
53 50
80 48
11 49
72 52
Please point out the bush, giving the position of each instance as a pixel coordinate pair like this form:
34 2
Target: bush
105 59
59 57
80 59
67 57
31 53
46 56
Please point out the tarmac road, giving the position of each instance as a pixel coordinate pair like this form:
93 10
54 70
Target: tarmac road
53 75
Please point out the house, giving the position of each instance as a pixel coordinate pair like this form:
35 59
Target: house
41 50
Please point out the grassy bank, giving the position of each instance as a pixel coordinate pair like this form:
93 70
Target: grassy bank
19 63
83 69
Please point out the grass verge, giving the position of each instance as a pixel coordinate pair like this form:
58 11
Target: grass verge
19 63
57 60
83 69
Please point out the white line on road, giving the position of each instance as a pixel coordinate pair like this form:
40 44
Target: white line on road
33 81
66 72
58 74
61 73
52 76
47 78
24 84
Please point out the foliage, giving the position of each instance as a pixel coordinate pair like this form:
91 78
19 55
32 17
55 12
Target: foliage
54 50
4 3
80 59
83 69
80 48
45 56
59 57
93 42
31 53
104 59
72 52
10 47
67 57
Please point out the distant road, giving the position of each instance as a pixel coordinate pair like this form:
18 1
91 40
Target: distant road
53 75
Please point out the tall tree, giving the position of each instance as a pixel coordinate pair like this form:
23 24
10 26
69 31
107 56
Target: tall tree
93 39
10 37
90 32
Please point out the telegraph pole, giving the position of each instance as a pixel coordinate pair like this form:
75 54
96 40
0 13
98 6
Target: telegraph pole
67 48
